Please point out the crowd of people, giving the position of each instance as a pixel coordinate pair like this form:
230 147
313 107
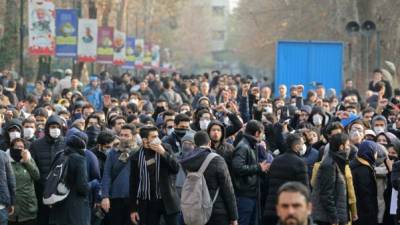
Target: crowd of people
130 149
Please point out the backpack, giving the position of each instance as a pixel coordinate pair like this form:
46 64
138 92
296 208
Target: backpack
196 201
55 189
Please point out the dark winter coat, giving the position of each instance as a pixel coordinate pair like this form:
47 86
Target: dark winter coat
5 144
286 167
75 208
366 192
245 168
44 150
223 149
217 176
329 197
169 167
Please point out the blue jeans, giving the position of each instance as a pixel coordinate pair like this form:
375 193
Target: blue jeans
247 209
3 216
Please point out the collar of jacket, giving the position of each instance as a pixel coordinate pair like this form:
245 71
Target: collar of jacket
364 162
309 222
252 140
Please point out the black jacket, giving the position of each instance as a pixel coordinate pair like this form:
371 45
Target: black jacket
101 157
245 168
217 176
44 149
169 167
329 197
5 144
286 167
75 208
223 148
366 192
388 88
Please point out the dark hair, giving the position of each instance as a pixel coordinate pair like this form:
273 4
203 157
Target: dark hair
181 118
253 126
114 120
337 140
333 126
130 127
145 131
368 110
377 70
380 85
17 140
87 106
92 116
31 99
168 113
28 120
201 138
105 137
293 139
295 187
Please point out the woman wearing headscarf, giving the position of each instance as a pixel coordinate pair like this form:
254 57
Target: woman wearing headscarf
364 181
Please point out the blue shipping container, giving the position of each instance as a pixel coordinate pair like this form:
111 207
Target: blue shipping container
309 62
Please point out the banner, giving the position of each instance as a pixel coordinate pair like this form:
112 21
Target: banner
130 53
66 32
41 27
119 48
147 55
155 56
139 52
105 50
87 40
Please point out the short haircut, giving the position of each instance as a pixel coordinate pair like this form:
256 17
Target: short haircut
201 138
333 126
337 140
28 120
181 118
105 137
368 110
130 127
92 116
145 131
168 113
295 187
293 139
114 120
377 70
253 126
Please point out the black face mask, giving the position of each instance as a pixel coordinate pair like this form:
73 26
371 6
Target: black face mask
159 109
393 158
180 132
16 154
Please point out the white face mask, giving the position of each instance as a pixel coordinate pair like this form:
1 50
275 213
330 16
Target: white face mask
317 120
29 133
14 135
156 141
227 121
303 149
169 131
138 140
379 130
204 124
55 132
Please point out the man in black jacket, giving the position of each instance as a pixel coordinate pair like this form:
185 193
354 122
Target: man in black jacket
246 171
182 126
216 130
43 152
152 181
286 167
217 176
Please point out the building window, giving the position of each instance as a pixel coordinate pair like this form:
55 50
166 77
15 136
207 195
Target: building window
218 35
218 10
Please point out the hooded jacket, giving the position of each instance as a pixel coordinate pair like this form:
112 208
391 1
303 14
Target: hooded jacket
217 176
44 149
365 183
6 141
223 149
379 117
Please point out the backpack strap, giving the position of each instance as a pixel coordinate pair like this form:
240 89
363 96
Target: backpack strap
207 161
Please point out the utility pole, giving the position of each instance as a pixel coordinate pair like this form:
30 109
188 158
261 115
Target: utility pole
21 39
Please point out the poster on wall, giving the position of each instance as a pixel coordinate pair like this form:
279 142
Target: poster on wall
87 40
41 27
119 48
66 32
105 50
130 53
155 56
139 52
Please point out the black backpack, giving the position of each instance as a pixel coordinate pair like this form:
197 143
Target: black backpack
55 189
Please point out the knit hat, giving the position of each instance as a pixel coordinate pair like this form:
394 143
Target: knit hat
189 136
306 108
76 139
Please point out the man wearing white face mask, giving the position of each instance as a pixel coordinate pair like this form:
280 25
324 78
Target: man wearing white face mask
379 124
43 152
29 130
13 130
